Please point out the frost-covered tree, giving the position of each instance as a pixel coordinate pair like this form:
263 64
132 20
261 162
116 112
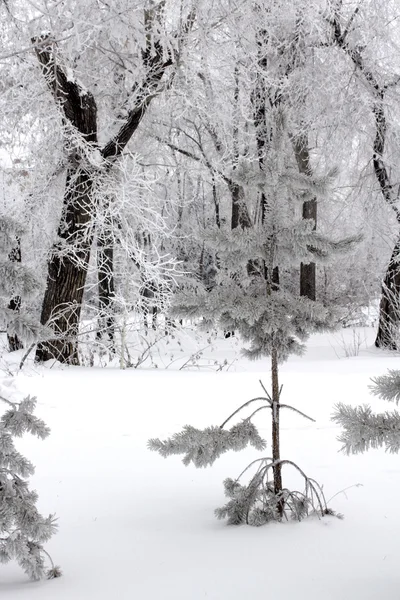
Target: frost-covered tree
366 36
23 530
252 295
99 69
18 285
363 429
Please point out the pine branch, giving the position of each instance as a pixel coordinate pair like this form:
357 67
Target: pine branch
387 386
364 430
203 447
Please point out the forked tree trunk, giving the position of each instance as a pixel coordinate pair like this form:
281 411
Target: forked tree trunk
68 263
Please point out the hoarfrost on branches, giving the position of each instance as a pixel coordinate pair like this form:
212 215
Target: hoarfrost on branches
23 530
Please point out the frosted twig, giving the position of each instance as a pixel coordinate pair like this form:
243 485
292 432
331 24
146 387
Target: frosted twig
261 460
240 408
266 392
345 490
297 411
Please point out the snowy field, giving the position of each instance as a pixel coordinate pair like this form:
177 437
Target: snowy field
133 526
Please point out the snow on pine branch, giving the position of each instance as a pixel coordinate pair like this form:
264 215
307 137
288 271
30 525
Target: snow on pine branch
364 430
203 447
387 386
23 530
20 419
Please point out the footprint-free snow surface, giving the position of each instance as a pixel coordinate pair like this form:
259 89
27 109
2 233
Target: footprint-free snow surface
135 526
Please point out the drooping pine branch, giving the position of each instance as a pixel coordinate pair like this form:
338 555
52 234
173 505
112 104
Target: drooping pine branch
203 447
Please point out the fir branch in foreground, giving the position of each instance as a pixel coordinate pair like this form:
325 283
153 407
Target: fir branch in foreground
364 430
23 530
203 447
387 386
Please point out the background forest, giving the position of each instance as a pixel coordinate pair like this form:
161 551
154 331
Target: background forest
135 136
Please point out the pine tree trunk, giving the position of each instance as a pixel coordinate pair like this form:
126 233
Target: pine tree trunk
276 452
106 287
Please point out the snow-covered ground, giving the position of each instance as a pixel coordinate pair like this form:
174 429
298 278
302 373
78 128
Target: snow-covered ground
135 526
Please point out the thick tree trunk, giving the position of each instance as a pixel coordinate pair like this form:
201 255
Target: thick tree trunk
69 260
307 270
66 278
106 287
389 309
14 343
389 312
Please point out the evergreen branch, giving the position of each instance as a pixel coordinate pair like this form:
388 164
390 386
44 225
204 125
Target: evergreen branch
203 447
387 387
364 430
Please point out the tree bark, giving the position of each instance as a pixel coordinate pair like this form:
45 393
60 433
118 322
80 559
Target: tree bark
14 343
389 311
106 286
66 278
389 308
276 451
307 270
68 263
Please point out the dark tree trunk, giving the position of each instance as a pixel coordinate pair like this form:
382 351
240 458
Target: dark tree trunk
389 308
68 263
14 343
389 312
307 270
240 215
264 100
69 259
66 278
105 267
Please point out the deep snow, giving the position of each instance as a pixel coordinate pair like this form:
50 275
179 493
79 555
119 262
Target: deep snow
135 526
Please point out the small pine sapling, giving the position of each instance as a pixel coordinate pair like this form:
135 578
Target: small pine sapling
23 530
263 498
254 296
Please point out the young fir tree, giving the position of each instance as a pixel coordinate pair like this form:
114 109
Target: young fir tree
254 296
23 530
362 429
